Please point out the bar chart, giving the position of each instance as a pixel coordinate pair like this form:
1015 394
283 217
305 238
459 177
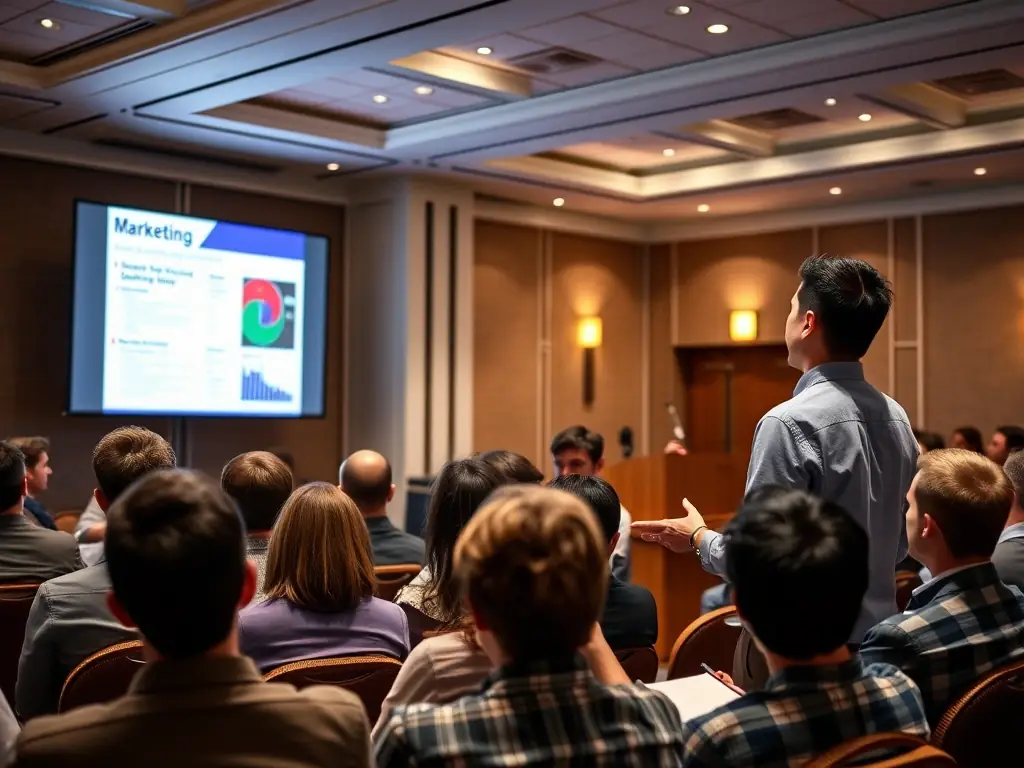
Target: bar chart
256 388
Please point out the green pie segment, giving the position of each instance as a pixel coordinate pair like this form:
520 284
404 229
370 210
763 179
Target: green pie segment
257 333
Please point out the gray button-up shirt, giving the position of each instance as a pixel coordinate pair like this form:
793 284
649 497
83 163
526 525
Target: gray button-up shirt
842 439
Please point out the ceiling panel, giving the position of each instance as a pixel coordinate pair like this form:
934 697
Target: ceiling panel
642 152
637 50
893 8
22 37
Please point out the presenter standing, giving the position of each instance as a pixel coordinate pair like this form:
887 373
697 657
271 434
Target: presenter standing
838 437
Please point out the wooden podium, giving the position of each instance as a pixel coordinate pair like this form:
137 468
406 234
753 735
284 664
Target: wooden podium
652 488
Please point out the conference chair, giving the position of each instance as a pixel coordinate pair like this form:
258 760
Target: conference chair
102 677
710 639
15 602
369 676
639 663
906 583
391 578
979 729
910 752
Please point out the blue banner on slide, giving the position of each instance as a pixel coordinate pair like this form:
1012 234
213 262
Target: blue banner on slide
241 238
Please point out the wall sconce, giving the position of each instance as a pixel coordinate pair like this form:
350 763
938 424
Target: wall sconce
743 325
589 334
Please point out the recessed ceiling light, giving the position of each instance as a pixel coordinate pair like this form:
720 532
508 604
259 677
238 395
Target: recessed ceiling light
830 102
423 90
718 29
48 24
678 10
864 118
668 152
558 202
485 50
980 171
380 98
333 166
836 191
703 208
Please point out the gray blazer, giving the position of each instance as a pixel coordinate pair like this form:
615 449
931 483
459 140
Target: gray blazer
1009 556
30 554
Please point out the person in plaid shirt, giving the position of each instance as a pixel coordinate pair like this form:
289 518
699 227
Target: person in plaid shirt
799 569
534 573
964 622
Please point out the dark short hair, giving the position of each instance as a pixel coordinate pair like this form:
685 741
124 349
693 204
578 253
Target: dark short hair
972 436
579 438
799 570
369 490
513 467
1014 437
31 448
1014 470
849 297
456 493
599 497
12 475
931 441
175 550
260 483
123 456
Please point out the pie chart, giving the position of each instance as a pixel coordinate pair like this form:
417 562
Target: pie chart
263 315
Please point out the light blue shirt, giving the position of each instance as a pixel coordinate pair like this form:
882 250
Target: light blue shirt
842 439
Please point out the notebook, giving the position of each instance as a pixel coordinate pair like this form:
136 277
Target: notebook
697 695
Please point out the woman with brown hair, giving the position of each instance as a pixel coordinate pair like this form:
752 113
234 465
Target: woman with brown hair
319 586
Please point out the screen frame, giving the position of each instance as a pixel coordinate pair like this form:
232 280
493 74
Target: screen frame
328 331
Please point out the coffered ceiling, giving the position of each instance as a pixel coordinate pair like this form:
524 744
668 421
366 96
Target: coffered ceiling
640 109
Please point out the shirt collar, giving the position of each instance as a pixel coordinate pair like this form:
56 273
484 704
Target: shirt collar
817 676
378 523
203 672
958 579
829 372
1015 531
538 675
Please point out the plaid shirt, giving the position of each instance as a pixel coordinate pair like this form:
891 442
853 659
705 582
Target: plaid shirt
802 712
537 714
956 628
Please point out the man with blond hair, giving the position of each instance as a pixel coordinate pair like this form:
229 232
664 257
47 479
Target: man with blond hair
534 573
964 622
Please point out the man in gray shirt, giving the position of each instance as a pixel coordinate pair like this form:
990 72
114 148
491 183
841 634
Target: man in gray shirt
838 437
1009 555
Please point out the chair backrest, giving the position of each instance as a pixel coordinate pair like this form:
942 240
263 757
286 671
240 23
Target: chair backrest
391 578
640 663
979 728
710 639
900 750
906 583
369 676
15 602
102 677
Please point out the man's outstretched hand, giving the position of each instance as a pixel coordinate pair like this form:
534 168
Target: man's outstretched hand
672 534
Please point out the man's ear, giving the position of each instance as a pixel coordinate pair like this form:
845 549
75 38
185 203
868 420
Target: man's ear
598 466
930 528
810 324
391 493
250 581
101 499
612 543
24 486
118 610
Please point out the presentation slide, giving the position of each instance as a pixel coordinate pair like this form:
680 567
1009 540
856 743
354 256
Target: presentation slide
182 315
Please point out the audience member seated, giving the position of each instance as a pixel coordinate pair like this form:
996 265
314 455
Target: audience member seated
533 568
513 467
36 451
965 621
928 441
29 553
319 588
70 620
9 729
799 570
431 600
175 549
630 618
365 477
1008 557
968 438
1004 441
260 483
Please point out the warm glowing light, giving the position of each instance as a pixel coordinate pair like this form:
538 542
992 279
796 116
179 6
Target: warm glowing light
836 191
423 90
668 152
48 24
718 29
558 202
703 208
380 98
980 171
830 102
678 10
485 50
589 332
743 325
333 166
864 118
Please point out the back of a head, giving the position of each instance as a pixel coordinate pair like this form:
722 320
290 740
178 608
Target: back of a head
175 551
968 495
260 483
972 438
1014 471
284 455
535 571
457 492
929 441
123 456
799 570
319 556
513 467
849 297
365 477
598 495
1014 437
31 448
581 438
12 475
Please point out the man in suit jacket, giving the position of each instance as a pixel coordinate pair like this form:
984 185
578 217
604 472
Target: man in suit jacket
176 555
1009 555
28 552
964 622
365 477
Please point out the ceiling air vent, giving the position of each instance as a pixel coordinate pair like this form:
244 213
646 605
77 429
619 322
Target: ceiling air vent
182 154
980 83
553 61
776 120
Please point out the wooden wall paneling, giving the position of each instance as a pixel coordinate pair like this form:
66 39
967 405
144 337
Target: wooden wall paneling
665 380
906 382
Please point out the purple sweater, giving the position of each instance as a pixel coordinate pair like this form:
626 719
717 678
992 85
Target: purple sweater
276 632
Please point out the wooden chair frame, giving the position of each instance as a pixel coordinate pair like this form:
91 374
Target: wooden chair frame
696 627
99 658
919 753
972 696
